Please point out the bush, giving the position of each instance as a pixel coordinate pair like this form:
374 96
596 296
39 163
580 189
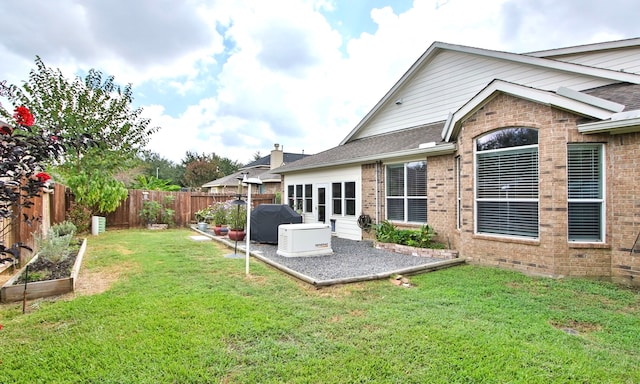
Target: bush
54 248
421 238
80 216
64 228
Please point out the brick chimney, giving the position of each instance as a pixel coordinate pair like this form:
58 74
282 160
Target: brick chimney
277 157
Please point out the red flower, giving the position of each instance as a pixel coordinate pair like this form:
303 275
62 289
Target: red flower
23 116
43 177
0 327
5 129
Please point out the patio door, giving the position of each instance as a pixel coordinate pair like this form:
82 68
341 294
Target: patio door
321 203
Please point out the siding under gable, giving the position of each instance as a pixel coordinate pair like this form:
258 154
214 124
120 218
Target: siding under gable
451 78
626 60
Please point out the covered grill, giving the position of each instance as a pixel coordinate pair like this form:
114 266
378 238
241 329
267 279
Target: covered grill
266 218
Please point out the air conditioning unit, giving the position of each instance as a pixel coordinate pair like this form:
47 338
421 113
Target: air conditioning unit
304 240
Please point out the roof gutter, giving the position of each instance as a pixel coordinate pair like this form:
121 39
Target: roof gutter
613 127
438 150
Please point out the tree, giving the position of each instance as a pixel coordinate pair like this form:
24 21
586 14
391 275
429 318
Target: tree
154 165
202 168
94 116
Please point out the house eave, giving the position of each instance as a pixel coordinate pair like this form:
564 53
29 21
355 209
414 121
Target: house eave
613 127
438 150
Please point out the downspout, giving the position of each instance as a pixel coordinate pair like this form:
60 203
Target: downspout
377 192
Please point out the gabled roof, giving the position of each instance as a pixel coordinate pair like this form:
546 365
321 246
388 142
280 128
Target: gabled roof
418 141
438 47
577 102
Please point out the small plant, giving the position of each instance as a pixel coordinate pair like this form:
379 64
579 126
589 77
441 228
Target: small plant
64 228
54 248
155 213
219 213
150 212
237 217
421 238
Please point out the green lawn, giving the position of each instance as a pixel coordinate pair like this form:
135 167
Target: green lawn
182 313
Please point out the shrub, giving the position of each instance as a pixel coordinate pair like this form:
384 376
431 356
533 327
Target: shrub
64 228
80 216
421 238
54 248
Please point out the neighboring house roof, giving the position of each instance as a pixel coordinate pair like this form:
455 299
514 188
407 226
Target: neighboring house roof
286 159
260 168
411 142
580 71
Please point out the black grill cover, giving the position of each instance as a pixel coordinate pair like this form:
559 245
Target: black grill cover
265 219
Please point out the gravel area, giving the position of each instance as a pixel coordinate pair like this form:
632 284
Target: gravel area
350 259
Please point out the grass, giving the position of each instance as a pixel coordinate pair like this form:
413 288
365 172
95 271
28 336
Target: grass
182 313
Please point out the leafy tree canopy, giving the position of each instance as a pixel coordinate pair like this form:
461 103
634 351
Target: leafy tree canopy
202 168
94 118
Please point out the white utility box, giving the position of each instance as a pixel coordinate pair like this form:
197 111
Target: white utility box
304 240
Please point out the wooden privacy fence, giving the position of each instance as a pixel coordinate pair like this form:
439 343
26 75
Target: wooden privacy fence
52 208
48 209
185 205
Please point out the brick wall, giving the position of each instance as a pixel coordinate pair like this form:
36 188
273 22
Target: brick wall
369 190
551 254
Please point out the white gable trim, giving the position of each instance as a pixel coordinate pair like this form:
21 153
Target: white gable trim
496 87
437 47
587 48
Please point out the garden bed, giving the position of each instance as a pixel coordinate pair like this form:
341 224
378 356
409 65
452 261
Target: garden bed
12 290
446 254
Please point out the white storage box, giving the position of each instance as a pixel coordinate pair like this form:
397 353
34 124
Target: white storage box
304 240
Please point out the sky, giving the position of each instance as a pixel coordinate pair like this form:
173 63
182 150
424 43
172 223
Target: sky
235 77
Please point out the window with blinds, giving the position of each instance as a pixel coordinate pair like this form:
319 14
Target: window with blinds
585 189
406 187
507 183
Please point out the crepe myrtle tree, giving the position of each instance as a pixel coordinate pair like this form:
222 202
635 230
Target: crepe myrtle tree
102 132
24 149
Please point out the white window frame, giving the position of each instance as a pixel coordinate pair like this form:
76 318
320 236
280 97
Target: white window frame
405 197
601 177
506 188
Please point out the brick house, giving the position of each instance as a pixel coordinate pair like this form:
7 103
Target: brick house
524 161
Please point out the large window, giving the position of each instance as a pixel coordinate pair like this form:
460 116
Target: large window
507 183
343 197
407 192
585 192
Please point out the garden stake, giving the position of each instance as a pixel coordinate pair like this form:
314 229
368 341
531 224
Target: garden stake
24 294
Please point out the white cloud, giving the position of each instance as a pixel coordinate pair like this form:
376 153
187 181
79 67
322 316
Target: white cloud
266 72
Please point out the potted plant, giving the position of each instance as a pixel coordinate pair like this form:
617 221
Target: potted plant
236 219
203 217
219 217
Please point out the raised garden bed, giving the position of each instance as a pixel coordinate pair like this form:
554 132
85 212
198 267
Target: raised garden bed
38 289
446 254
